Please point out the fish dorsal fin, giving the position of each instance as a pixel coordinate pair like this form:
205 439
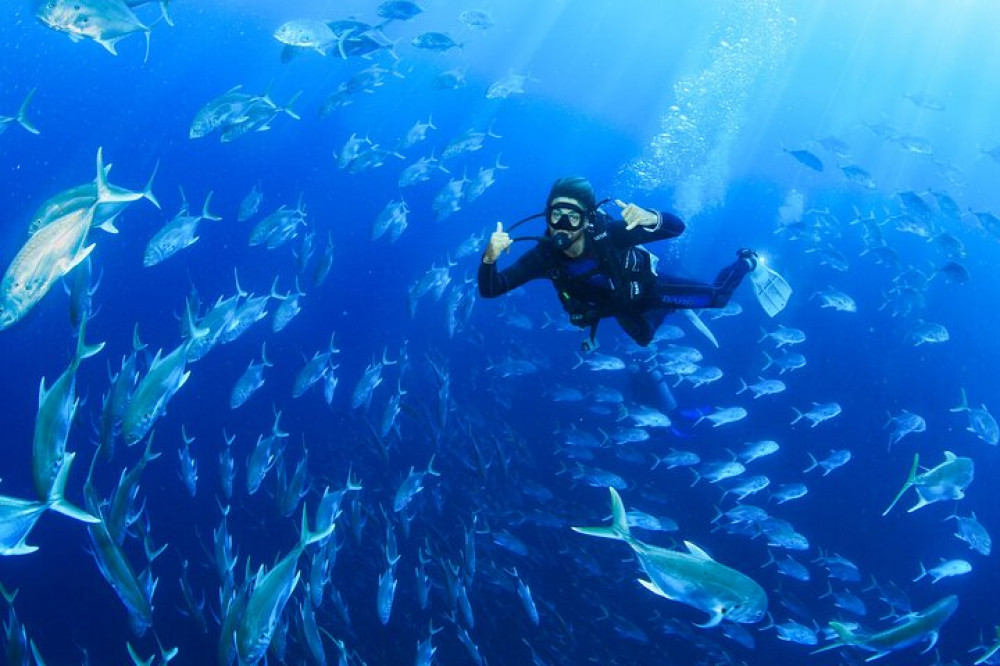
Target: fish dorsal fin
697 552
949 456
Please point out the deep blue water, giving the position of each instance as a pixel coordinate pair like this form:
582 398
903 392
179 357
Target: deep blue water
733 86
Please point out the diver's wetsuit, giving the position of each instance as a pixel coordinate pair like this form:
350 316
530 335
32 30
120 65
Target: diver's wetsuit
614 278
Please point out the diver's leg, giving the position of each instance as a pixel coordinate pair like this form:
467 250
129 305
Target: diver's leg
640 326
652 387
677 292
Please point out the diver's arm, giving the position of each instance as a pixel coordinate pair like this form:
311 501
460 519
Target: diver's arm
643 225
493 282
667 225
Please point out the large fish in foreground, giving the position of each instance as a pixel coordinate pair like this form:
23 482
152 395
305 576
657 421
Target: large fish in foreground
52 252
56 411
692 578
909 630
104 21
84 196
271 591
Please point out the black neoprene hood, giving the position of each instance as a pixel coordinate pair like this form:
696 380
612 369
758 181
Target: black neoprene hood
573 187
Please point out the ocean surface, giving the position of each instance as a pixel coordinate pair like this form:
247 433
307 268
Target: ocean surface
852 144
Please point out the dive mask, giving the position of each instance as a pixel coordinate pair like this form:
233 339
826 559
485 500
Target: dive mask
565 217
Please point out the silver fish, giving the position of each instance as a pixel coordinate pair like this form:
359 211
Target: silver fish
251 203
56 412
250 381
692 578
411 485
165 377
947 481
104 21
49 254
910 629
307 34
176 234
264 456
271 591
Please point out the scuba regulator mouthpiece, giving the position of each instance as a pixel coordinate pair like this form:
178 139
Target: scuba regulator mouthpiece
561 242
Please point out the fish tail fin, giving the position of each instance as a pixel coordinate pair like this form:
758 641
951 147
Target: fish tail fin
619 522
287 108
22 117
306 537
148 455
56 500
136 659
194 333
798 416
239 290
147 32
964 406
205 213
147 192
163 10
697 477
103 191
274 290
276 428
8 595
770 361
906 486
137 344
83 350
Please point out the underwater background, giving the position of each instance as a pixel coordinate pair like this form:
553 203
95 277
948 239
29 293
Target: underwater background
853 144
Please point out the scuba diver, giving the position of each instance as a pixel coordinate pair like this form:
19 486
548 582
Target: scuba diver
600 269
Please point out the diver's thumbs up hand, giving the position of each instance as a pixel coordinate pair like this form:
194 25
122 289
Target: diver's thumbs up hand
635 216
499 241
